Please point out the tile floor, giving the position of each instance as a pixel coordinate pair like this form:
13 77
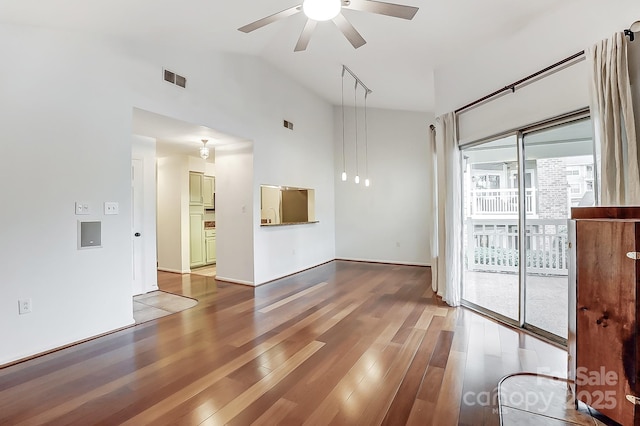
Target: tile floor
207 271
528 399
157 304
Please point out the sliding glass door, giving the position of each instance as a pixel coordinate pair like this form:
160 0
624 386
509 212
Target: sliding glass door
562 160
491 212
517 193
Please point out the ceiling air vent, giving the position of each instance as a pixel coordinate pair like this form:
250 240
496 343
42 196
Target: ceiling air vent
288 124
174 78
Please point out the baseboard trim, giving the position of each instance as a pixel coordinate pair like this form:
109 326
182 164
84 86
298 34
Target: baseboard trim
174 271
69 345
234 281
297 272
345 260
384 262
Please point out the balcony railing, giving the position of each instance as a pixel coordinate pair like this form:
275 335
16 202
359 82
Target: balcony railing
492 202
492 245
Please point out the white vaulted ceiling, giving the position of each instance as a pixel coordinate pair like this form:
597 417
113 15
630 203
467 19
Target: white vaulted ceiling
397 62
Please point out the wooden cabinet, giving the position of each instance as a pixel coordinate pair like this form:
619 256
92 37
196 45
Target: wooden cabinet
196 238
201 190
208 192
202 242
210 246
606 347
196 181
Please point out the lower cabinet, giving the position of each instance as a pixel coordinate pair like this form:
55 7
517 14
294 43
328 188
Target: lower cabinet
210 246
196 233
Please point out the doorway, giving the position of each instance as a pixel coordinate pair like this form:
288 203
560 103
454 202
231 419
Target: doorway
518 189
174 151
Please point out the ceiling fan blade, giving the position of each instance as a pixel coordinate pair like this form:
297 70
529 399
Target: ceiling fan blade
303 41
382 8
349 31
271 18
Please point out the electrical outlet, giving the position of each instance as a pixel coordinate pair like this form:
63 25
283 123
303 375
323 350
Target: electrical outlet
24 306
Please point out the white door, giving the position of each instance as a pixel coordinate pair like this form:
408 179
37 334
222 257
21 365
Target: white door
137 213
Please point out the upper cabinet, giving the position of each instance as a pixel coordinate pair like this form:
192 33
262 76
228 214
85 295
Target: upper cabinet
208 192
195 188
202 190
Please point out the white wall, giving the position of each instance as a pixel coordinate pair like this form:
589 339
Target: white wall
386 222
173 196
303 158
66 138
572 27
67 114
144 149
234 213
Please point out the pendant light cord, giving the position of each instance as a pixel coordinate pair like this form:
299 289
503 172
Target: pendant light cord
344 162
355 100
366 138
367 91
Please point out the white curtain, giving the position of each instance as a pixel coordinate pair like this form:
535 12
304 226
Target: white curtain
612 112
449 254
433 207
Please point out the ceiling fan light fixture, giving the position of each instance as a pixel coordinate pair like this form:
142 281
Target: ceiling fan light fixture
321 10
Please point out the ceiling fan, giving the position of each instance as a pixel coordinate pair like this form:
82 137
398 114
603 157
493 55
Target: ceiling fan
325 10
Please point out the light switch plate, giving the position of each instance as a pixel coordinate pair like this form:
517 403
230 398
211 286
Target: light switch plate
111 207
82 208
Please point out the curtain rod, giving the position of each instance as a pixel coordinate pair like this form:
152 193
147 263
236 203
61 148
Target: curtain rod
358 81
512 86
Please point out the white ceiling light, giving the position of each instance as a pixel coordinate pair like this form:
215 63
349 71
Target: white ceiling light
204 151
321 10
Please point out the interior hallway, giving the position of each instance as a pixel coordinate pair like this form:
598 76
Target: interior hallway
343 343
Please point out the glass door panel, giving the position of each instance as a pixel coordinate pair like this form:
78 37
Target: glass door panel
560 160
490 200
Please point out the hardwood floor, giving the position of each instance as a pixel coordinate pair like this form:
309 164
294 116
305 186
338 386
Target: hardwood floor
341 344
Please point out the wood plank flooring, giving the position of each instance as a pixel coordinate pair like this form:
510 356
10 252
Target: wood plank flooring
341 344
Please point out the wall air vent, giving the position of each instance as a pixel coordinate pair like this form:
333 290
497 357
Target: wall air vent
288 125
173 78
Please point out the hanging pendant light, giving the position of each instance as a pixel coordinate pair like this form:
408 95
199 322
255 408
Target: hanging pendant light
355 100
344 164
366 142
204 151
367 91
